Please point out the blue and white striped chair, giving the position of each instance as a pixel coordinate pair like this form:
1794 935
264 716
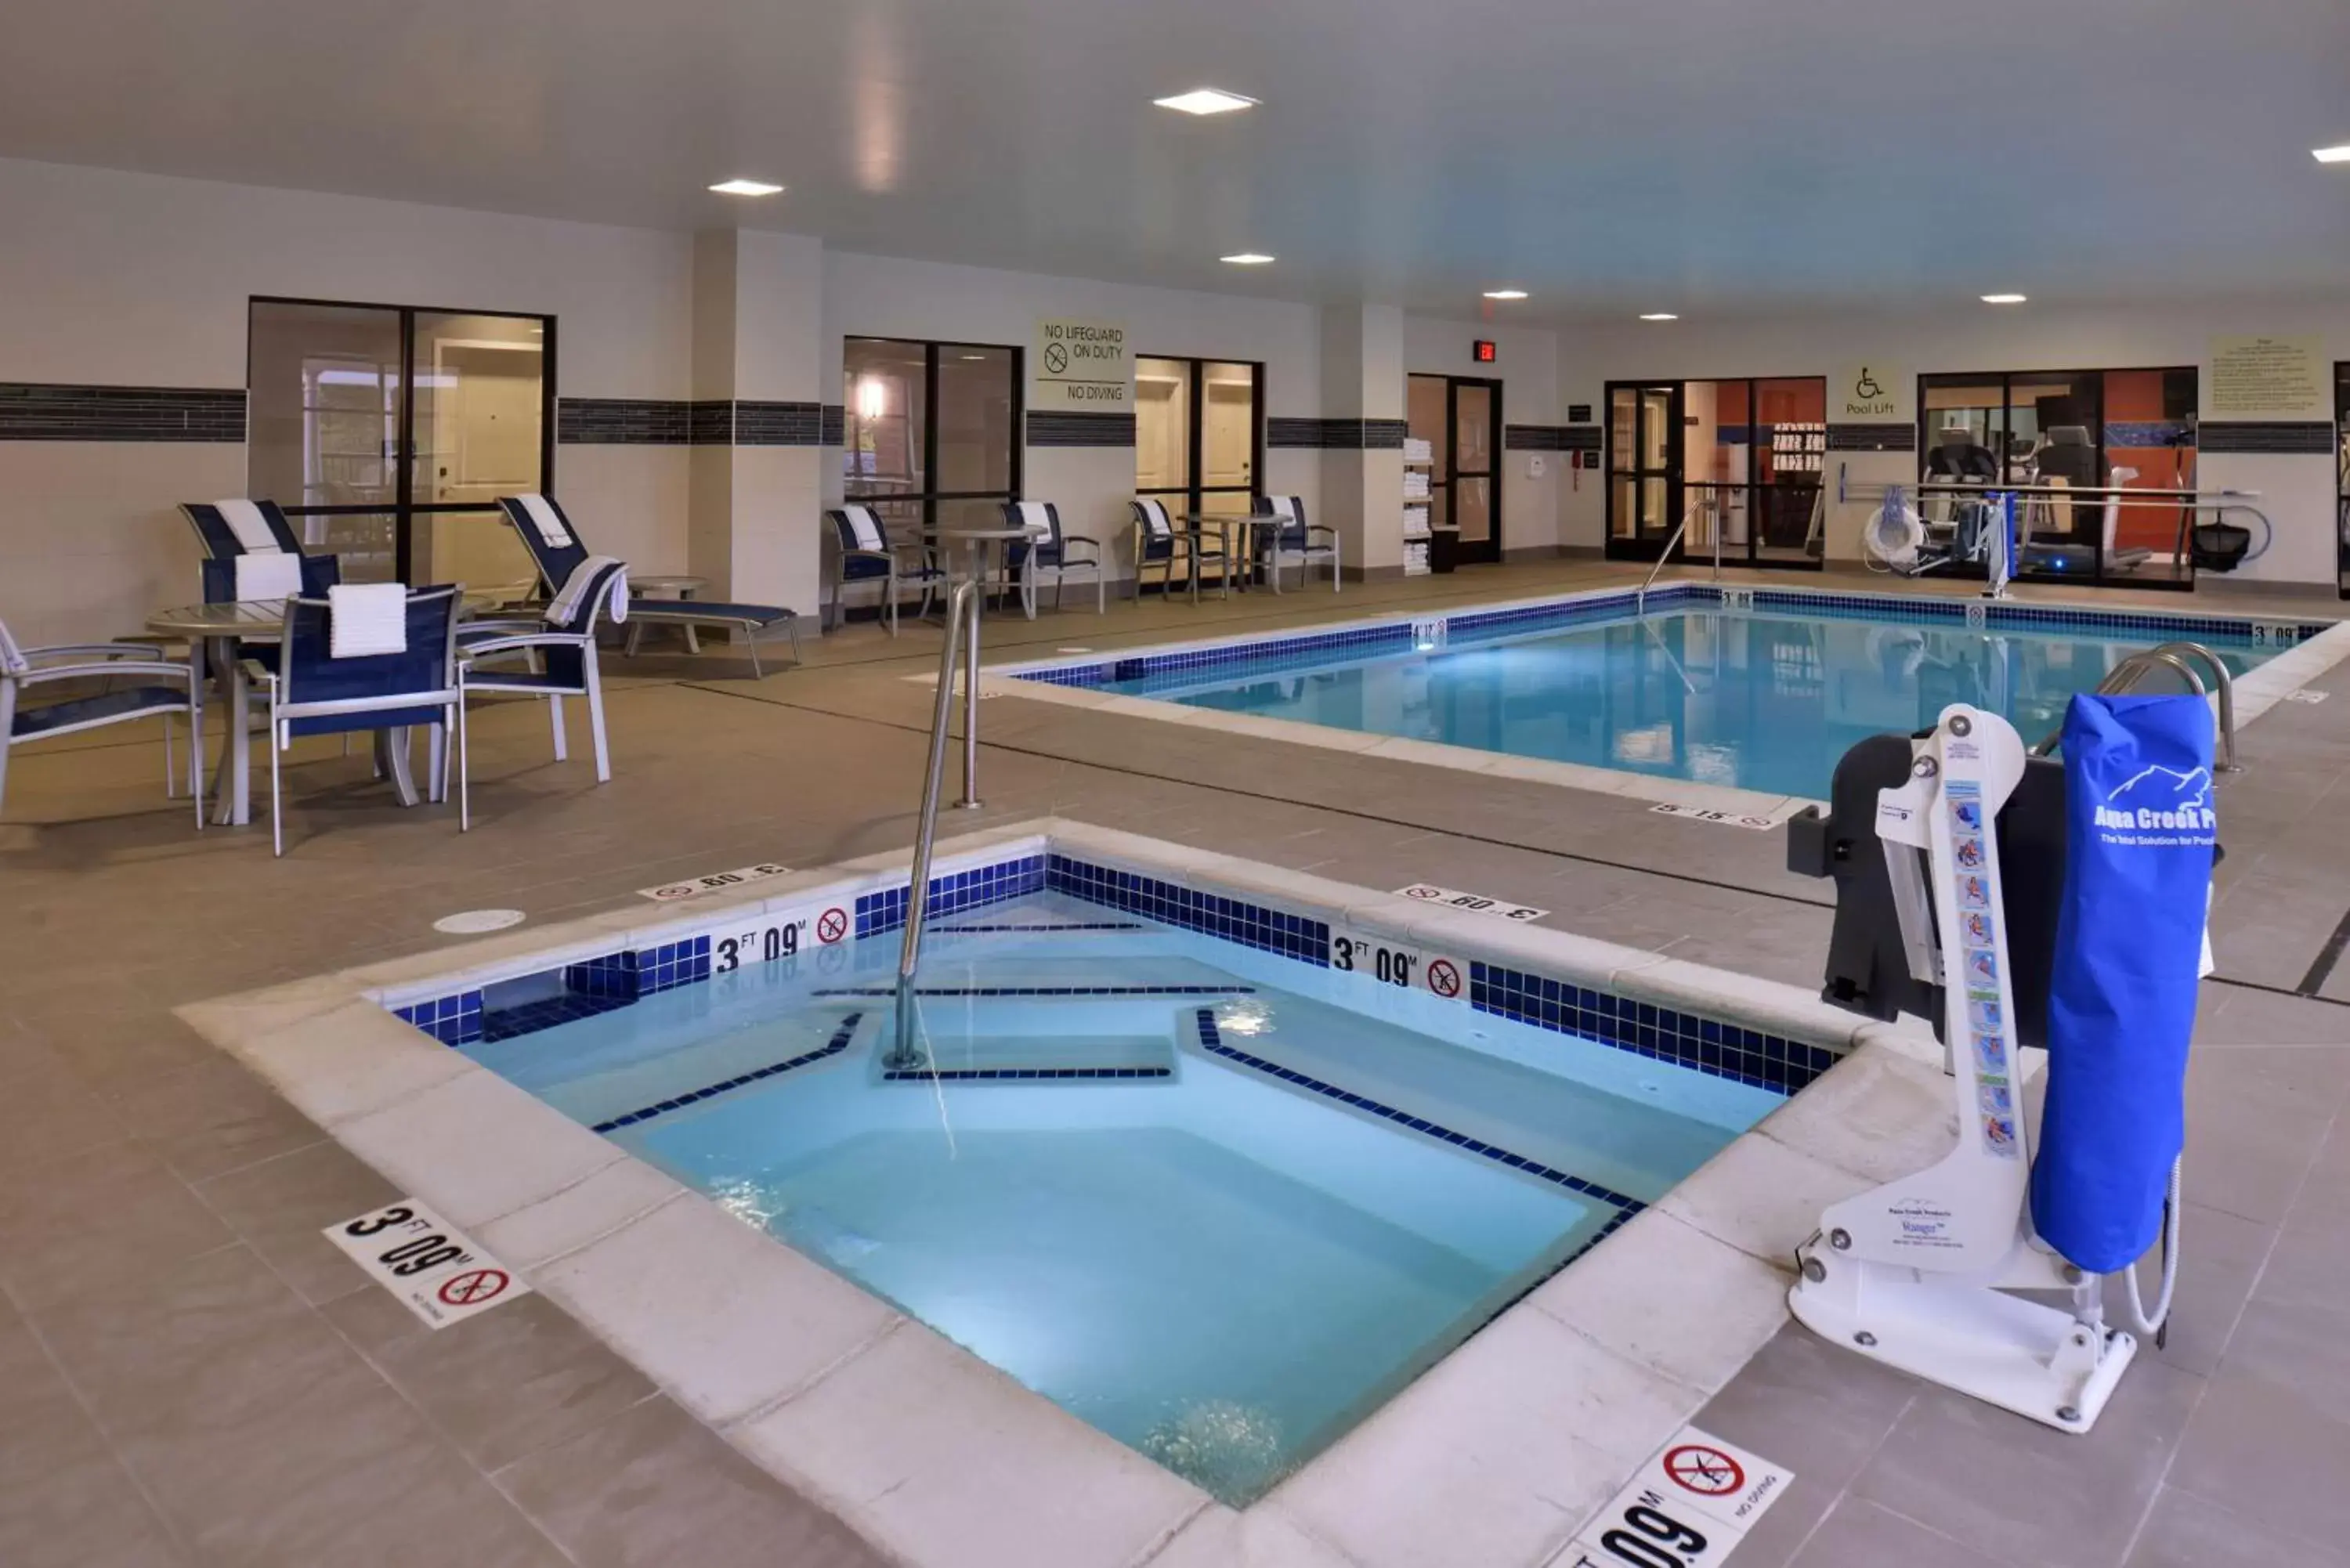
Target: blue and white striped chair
1157 542
566 650
233 528
169 688
864 552
314 692
555 546
1048 549
1293 540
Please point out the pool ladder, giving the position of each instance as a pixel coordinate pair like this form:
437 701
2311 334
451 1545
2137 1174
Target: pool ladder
962 630
2132 671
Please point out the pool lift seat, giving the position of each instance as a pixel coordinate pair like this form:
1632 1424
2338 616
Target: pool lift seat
1915 1272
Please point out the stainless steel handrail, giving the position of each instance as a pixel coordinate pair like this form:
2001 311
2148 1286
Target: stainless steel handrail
963 616
2124 677
1641 603
2227 764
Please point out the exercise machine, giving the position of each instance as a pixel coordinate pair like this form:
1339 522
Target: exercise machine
2019 902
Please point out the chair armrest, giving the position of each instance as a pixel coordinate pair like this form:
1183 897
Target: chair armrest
120 667
92 651
1321 528
512 625
468 652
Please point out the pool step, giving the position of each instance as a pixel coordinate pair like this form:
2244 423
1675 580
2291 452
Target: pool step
1009 1054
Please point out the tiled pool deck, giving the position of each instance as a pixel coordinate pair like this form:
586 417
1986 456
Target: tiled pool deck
193 1376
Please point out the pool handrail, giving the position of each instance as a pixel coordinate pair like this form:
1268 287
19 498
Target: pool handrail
2227 764
963 616
1703 502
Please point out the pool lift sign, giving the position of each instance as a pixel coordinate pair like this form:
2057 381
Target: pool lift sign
438 1272
1690 1505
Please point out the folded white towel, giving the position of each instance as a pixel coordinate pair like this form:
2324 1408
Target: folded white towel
251 529
574 588
270 574
1282 506
862 524
366 618
547 520
1034 518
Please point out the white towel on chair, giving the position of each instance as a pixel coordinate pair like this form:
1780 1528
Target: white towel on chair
566 603
1034 517
269 575
251 529
861 522
366 618
1282 506
549 523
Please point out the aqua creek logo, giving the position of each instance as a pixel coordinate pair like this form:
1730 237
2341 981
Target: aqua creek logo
2159 806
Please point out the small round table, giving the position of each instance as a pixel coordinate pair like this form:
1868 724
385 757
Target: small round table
673 586
1226 523
979 543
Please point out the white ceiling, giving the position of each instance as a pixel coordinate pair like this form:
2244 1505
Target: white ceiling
1707 156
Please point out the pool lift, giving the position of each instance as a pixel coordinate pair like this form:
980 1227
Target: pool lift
1941 923
1992 526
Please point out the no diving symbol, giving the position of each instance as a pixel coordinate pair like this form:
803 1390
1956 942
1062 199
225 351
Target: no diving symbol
473 1287
1057 359
1709 1472
832 925
1443 977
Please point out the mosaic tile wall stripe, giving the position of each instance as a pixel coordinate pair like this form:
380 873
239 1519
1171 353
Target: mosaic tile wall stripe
1058 430
38 411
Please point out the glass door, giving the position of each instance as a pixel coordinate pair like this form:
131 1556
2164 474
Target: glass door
388 432
1199 434
2342 476
1475 476
1644 469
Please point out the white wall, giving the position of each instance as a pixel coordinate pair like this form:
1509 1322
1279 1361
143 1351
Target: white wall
882 296
2298 491
134 280
1526 363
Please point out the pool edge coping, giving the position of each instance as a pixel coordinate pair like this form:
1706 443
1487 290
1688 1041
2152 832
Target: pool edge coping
571 1211
2287 672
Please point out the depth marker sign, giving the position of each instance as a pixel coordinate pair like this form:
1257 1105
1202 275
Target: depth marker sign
715 882
1689 1506
438 1272
1475 903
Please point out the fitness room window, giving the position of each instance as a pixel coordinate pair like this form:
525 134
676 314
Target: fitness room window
389 433
2106 432
1741 459
1199 434
931 431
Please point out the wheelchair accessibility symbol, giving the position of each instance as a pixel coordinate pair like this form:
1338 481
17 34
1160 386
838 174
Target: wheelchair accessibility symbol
1865 388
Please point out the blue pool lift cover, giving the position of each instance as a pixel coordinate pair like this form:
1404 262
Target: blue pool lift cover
2139 831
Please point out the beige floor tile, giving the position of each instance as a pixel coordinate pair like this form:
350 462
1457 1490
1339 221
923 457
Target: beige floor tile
280 1206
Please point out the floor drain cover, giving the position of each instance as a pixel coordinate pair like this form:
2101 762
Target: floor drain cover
468 922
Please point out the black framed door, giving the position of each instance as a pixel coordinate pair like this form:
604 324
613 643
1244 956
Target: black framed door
388 431
1459 417
1644 468
1198 433
2342 476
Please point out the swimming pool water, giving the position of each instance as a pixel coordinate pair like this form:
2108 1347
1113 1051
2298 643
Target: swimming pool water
1759 702
1220 1267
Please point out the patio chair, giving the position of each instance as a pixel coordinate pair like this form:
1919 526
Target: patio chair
1048 549
371 684
232 529
1155 543
168 688
565 649
1295 540
865 551
555 545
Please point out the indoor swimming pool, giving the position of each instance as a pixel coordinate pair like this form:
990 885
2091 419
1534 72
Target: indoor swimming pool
1763 697
1221 1202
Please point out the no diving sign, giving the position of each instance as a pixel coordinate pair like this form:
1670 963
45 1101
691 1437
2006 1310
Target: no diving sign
435 1270
1690 1505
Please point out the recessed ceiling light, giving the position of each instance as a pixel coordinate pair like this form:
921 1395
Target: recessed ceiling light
746 187
2332 154
2002 299
1660 316
1247 258
1206 100
1505 294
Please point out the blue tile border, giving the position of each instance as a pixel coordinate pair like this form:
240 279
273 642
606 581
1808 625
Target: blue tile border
1256 926
1234 989
1212 1041
1016 1074
452 1019
832 1047
1685 1039
952 893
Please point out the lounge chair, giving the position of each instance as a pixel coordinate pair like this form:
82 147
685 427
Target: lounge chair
555 545
565 649
1050 550
170 688
866 552
1155 543
1294 540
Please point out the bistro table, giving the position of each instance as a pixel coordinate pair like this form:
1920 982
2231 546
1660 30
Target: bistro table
1226 524
979 545
674 587
212 632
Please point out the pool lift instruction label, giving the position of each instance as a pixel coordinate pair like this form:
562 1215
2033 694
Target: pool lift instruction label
1690 1505
439 1273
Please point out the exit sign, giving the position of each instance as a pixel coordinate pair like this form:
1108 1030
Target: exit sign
1482 350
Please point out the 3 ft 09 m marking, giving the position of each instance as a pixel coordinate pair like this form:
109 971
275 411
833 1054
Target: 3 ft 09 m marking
1375 961
760 944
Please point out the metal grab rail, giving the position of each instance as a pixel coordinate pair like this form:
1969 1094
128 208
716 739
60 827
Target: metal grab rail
1707 504
2227 764
2125 677
963 616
